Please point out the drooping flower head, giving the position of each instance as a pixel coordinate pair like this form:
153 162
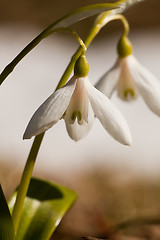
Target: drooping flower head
129 78
78 102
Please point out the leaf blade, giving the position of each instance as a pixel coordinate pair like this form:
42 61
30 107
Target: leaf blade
43 210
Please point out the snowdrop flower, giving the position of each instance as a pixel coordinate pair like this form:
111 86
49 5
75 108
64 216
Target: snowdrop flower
77 102
130 79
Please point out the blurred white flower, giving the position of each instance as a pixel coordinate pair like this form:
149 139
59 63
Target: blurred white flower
130 79
77 103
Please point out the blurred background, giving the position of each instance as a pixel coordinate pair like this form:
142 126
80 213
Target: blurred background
60 158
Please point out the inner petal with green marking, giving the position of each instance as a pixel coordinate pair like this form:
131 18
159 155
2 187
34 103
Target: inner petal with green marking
129 93
126 87
78 106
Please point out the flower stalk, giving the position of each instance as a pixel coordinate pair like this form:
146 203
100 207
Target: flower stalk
72 17
100 22
27 172
65 21
25 180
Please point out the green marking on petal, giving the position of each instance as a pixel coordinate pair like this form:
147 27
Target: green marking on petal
129 92
79 115
74 115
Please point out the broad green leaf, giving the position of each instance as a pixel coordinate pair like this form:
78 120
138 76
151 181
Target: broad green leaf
45 205
63 22
6 225
82 13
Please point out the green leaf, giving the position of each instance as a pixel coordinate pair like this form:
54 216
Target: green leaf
63 22
45 205
6 224
82 13
128 3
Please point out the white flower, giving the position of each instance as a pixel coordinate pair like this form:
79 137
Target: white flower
130 79
77 103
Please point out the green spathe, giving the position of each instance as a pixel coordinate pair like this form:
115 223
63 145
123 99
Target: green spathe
81 67
124 47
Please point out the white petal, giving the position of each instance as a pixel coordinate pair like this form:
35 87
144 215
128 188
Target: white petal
51 110
111 119
107 83
77 131
147 84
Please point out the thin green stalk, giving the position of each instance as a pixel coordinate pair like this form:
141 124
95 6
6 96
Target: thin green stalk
94 31
77 37
99 23
65 21
25 180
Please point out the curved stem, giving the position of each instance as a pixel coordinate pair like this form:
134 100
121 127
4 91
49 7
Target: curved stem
123 20
93 32
125 23
25 180
75 34
101 21
65 21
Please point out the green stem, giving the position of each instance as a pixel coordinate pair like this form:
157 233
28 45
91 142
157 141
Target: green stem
99 23
68 19
25 180
65 21
77 37
93 32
